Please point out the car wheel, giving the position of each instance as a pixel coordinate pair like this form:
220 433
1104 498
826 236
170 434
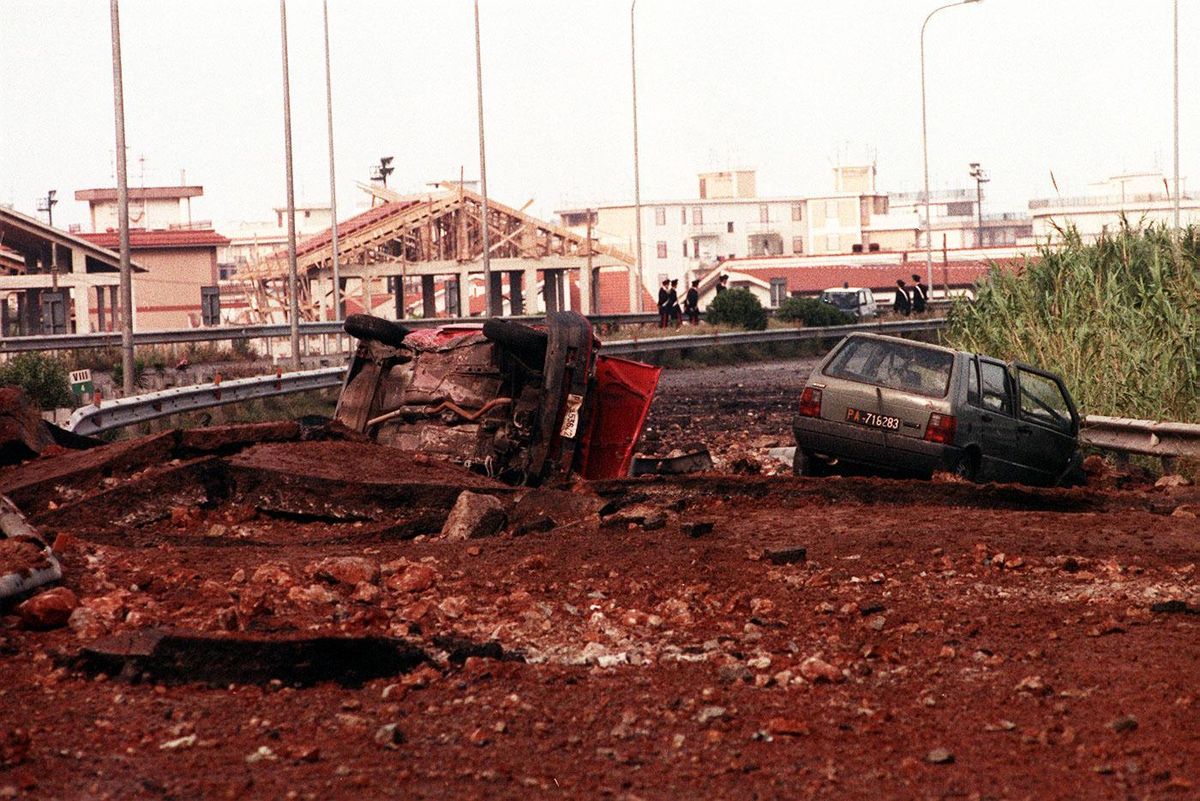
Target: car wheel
967 466
366 326
528 343
805 463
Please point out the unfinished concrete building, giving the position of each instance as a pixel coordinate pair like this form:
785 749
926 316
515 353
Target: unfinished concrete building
421 255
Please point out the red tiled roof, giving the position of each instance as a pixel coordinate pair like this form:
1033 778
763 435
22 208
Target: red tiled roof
960 273
140 239
350 225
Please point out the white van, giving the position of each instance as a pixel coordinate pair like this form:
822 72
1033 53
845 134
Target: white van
858 301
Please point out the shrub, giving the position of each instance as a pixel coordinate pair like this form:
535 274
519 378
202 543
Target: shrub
43 378
812 312
1118 318
737 307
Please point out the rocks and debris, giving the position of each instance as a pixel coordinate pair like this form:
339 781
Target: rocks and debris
1174 607
785 556
697 528
939 756
26 562
172 658
673 464
474 516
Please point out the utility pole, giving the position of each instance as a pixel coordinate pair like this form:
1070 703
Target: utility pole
488 300
127 365
981 178
333 222
293 300
1176 118
635 302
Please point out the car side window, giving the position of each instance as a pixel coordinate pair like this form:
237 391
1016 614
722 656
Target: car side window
973 383
1042 401
996 386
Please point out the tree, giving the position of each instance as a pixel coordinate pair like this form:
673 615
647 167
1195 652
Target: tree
43 378
812 312
738 307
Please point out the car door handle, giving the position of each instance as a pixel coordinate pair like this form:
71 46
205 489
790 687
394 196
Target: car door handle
987 418
1025 429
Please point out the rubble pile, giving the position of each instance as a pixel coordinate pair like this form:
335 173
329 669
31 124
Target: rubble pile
331 619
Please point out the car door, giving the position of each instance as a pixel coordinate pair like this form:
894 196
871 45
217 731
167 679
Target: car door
1048 425
997 421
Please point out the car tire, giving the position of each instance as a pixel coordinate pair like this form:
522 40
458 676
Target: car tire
967 466
806 463
528 343
366 326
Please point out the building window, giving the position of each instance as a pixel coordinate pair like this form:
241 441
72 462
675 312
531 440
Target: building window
797 212
210 305
660 216
685 248
764 213
683 214
729 227
662 250
959 209
831 209
778 291
797 244
697 215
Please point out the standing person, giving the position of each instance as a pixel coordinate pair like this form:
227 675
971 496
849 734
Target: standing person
664 310
673 303
901 304
691 304
920 295
721 284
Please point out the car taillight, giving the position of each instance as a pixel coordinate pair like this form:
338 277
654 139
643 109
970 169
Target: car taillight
941 428
810 402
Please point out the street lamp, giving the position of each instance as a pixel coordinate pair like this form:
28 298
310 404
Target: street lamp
47 205
981 178
925 144
635 302
1176 116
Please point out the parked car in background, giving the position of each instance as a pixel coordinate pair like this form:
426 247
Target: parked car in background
908 407
857 301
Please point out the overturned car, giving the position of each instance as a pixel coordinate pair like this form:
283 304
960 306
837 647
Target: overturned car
517 402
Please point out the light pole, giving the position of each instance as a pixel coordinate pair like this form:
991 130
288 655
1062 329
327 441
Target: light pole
925 145
1176 120
126 281
981 178
293 283
488 300
47 205
333 231
635 302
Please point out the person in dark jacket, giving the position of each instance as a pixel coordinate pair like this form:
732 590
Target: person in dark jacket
691 304
901 305
721 284
673 303
920 295
664 311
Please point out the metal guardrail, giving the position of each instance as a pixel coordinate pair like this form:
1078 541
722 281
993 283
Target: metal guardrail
93 419
1166 440
623 347
51 342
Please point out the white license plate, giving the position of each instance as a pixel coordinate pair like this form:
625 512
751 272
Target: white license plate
872 420
570 423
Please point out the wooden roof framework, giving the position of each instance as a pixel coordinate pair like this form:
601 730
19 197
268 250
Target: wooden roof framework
442 227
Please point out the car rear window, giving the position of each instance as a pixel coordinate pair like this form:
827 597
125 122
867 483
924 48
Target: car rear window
843 300
896 365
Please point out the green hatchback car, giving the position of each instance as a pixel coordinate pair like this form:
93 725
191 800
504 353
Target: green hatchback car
907 407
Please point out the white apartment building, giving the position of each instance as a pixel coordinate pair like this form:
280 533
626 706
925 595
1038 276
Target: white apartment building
1146 197
681 238
251 241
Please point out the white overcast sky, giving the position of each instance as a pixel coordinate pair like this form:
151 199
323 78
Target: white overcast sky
1080 87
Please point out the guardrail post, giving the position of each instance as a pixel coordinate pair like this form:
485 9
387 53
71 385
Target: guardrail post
217 386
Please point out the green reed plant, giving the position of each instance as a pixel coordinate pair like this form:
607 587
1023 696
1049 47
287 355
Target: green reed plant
1119 319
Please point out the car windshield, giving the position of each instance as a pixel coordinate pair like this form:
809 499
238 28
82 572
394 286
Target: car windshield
904 366
843 300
